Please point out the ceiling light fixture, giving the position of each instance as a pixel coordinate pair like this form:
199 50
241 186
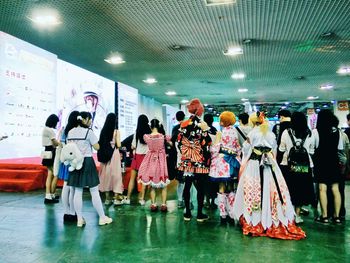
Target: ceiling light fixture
150 80
247 41
170 93
233 51
326 87
184 101
219 2
244 99
238 76
45 18
344 71
242 90
115 60
312 97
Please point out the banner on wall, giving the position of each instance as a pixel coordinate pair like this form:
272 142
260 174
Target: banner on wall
127 110
82 90
28 93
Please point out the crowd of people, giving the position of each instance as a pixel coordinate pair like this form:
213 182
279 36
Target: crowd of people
260 178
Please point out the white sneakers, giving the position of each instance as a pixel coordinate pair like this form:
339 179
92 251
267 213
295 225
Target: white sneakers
298 220
117 202
142 202
105 221
81 222
108 202
125 201
102 221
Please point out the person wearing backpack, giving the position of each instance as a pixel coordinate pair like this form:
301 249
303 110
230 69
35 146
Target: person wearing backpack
87 176
108 155
297 143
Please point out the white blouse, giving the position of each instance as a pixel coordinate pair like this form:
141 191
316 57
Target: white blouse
85 146
140 147
47 136
287 144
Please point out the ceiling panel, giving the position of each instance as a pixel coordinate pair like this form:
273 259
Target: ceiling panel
286 44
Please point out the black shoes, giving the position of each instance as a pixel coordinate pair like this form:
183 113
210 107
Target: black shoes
187 216
50 201
202 218
70 218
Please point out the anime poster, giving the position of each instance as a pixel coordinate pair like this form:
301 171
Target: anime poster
28 96
82 90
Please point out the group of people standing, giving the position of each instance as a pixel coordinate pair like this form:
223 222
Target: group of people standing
259 179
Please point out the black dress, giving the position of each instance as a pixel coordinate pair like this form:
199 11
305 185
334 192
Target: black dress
326 162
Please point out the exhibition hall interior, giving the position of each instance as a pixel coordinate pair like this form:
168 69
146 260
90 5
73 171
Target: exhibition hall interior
174 131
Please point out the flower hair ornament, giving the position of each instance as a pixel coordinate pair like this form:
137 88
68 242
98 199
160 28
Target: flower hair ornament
79 118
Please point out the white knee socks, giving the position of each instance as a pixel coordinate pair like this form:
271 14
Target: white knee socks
180 191
222 205
96 201
230 199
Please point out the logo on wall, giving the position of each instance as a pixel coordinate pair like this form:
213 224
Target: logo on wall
343 106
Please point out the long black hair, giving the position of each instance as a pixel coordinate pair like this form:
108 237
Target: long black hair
155 123
83 115
299 125
72 122
142 128
109 126
325 122
52 121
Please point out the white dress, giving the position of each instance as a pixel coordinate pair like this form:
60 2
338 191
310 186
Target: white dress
262 213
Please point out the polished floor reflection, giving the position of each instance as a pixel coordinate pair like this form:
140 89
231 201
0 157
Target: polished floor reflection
33 232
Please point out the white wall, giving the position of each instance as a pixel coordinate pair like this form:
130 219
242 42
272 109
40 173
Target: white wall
150 107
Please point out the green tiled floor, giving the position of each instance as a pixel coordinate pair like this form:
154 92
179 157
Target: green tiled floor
33 232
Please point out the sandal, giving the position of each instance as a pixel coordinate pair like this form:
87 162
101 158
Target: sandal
323 220
336 220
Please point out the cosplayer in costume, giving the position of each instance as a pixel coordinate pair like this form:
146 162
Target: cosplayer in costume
194 143
262 202
224 166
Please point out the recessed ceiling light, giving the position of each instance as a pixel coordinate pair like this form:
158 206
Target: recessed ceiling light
238 76
242 90
150 80
327 34
170 93
219 2
325 106
233 51
326 87
115 60
247 41
344 71
45 18
244 99
184 101
205 105
283 107
312 97
287 103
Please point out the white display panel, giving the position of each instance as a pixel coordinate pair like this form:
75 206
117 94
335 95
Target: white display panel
82 90
27 92
127 110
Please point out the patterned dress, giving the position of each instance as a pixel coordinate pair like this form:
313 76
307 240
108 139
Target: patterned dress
225 167
194 146
153 170
262 202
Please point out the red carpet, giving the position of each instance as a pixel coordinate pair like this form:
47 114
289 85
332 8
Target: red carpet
27 174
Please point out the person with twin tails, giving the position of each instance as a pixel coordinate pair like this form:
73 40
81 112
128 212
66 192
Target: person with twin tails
67 194
110 172
225 164
87 176
140 149
153 170
262 204
194 142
